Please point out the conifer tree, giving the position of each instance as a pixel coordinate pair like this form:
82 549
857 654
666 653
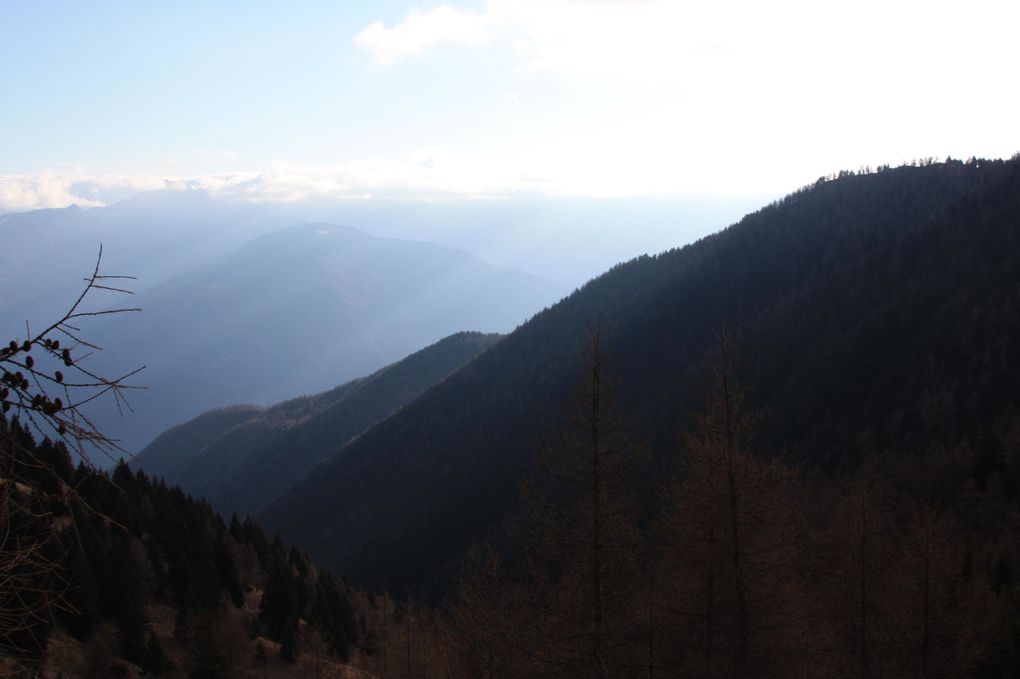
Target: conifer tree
298 561
227 570
256 537
236 531
82 611
278 608
289 642
860 582
324 617
54 466
132 619
732 535
583 543
205 579
343 611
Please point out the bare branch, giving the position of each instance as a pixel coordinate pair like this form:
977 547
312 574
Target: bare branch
26 382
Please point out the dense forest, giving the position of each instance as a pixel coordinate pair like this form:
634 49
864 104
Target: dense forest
737 563
120 575
874 314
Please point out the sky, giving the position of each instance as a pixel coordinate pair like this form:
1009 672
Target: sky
427 101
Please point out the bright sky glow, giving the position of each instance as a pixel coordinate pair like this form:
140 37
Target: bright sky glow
272 101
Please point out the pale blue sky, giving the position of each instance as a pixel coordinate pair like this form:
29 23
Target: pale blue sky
133 86
427 100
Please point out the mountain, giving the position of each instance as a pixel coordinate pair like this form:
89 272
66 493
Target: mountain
155 237
243 457
179 449
294 312
871 312
567 240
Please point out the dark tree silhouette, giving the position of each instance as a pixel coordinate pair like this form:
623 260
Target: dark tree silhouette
227 570
732 537
582 514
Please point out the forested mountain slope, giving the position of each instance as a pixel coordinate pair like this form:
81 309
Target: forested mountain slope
241 458
177 450
123 576
869 312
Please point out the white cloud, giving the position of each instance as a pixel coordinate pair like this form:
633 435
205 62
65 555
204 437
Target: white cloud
633 38
424 175
59 188
598 38
419 32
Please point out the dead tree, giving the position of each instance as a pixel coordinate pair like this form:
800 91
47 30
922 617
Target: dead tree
45 383
46 379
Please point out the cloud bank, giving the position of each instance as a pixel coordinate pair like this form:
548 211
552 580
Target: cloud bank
60 188
423 176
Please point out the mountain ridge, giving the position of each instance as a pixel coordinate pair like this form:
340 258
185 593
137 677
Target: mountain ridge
861 258
241 458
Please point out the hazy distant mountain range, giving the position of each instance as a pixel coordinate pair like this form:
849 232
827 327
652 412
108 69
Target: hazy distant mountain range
241 305
155 237
566 240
